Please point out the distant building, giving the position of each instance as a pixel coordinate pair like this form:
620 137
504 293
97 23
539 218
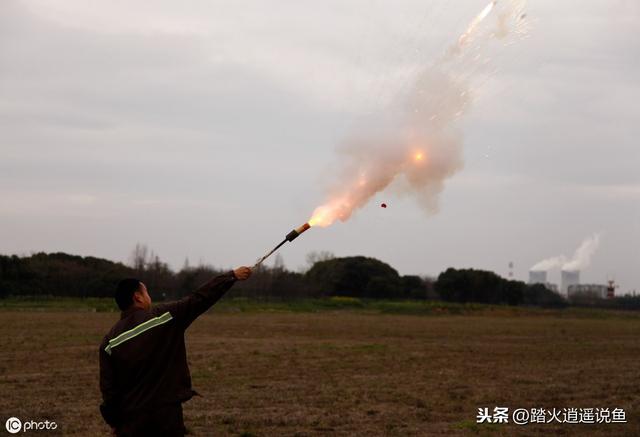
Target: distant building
588 290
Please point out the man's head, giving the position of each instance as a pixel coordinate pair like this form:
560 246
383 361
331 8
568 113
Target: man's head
132 292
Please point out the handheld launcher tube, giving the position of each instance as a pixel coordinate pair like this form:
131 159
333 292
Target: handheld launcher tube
290 237
296 232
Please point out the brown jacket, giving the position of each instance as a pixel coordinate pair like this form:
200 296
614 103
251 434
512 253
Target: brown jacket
143 360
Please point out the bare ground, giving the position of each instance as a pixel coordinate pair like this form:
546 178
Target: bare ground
341 373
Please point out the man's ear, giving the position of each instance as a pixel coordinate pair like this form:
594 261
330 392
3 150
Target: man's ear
137 297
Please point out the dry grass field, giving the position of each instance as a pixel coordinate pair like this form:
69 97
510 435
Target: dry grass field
342 372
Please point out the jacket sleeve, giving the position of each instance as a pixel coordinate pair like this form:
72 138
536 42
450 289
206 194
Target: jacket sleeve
109 407
187 309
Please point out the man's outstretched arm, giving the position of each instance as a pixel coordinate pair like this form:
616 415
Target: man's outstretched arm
187 309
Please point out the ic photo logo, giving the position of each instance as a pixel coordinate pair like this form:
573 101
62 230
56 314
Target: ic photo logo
13 425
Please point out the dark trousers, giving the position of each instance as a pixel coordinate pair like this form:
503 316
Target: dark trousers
166 421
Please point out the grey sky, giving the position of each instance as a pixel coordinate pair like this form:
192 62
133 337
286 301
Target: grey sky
208 129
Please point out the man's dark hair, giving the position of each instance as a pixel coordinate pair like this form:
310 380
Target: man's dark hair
124 292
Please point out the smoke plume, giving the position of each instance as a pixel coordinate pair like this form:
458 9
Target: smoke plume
419 147
582 256
580 260
554 262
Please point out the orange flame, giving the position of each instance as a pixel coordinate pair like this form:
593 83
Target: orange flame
325 215
320 217
342 206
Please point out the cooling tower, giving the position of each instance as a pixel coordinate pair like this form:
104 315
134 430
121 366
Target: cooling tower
569 277
537 277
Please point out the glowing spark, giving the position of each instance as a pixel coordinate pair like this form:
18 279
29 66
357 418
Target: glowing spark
474 23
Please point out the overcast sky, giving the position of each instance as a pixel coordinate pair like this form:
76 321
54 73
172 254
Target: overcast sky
208 130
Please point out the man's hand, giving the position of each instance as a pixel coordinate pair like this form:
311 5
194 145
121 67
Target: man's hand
242 273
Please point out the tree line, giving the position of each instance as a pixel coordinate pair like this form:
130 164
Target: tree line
61 274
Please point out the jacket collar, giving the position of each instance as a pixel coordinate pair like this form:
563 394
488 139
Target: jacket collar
126 313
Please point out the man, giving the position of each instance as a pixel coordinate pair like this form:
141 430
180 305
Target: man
144 376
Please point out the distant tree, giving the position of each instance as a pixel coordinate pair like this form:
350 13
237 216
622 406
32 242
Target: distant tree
585 298
414 287
471 285
140 258
512 292
17 277
540 295
189 279
383 287
278 265
159 279
356 276
627 302
317 256
59 274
